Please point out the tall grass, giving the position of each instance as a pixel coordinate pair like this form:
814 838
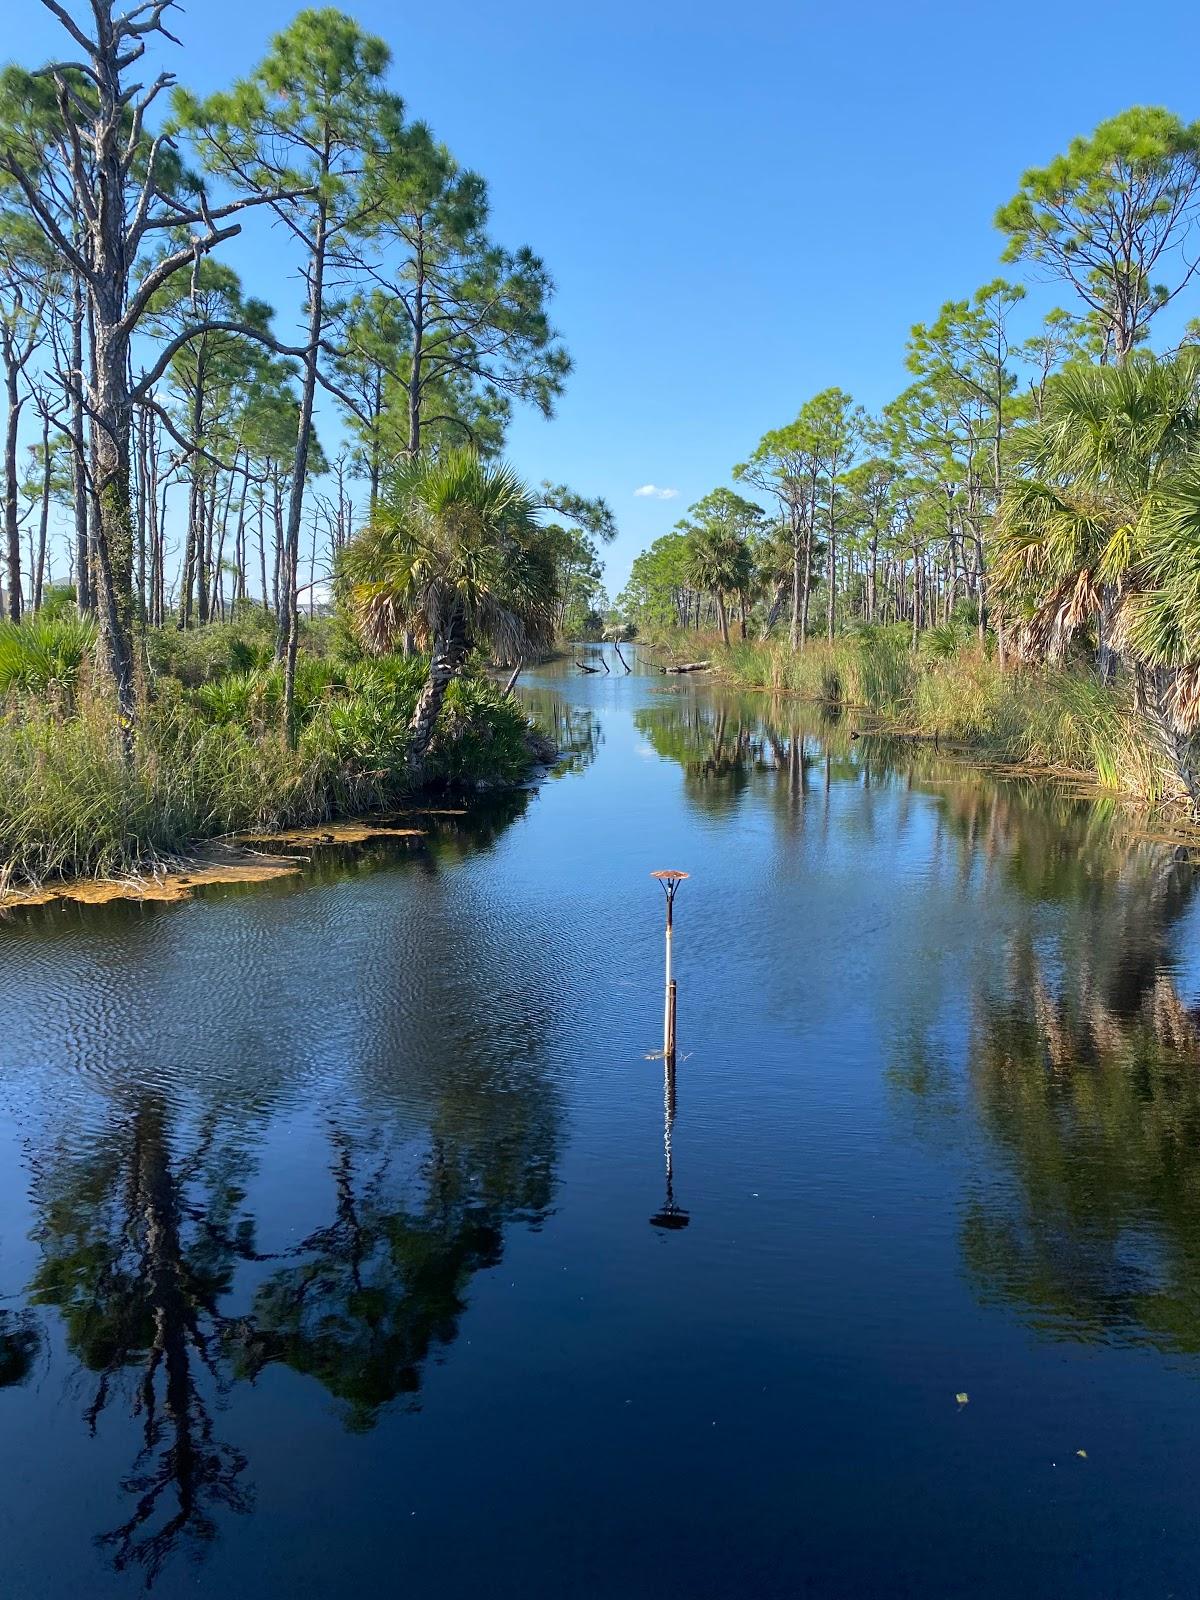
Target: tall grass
1051 717
209 760
871 667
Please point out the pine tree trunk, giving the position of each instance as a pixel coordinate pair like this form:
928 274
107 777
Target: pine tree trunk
797 584
288 623
289 670
831 604
807 587
416 381
12 530
84 598
114 520
39 571
143 497
262 547
187 577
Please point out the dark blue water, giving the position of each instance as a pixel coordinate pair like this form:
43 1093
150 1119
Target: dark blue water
327 1260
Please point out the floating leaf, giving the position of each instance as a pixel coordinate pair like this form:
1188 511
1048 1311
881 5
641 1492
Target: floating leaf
962 1398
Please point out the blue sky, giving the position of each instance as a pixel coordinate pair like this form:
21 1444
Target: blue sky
740 205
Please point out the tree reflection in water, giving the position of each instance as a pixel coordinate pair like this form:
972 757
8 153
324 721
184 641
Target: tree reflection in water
574 730
715 747
381 1285
139 1241
1083 1054
168 1299
20 1342
141 1234
728 745
1084 1069
1082 1072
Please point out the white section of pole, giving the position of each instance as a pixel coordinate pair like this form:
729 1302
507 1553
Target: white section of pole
667 994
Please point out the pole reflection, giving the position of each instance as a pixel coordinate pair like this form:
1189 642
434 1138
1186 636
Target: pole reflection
672 1214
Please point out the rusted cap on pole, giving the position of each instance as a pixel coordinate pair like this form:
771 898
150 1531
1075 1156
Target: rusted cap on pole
672 876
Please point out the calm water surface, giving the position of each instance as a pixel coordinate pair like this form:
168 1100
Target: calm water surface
333 1243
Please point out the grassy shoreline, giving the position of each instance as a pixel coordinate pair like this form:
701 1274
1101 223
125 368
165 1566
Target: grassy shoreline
208 760
1054 720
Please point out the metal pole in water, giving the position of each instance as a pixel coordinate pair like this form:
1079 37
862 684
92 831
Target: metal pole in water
670 882
669 980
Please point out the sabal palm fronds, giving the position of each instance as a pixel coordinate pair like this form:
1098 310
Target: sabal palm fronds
454 555
1161 622
1076 525
44 655
1104 524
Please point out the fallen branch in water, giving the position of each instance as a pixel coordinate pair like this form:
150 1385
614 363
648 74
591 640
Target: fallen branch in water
583 667
689 666
621 658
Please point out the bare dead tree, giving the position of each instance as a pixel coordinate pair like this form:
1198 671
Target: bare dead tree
121 193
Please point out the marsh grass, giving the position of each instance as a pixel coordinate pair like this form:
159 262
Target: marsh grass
1060 718
208 759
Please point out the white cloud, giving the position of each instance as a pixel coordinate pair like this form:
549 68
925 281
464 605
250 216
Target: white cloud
651 491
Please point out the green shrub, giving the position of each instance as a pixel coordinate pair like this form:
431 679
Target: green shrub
209 760
943 641
58 600
481 735
239 697
200 655
44 656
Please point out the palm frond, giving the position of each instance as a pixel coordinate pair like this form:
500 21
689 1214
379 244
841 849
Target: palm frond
454 548
1183 698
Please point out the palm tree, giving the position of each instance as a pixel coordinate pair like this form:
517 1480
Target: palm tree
718 558
718 563
1104 524
1075 524
454 555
